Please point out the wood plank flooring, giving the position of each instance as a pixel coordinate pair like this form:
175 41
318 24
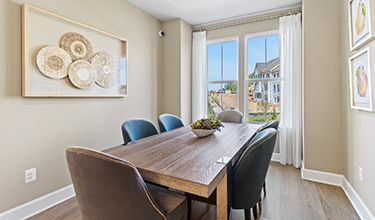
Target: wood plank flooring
288 197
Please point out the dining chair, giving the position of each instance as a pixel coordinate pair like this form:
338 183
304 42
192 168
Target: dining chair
111 188
169 122
272 124
249 173
246 178
233 116
136 129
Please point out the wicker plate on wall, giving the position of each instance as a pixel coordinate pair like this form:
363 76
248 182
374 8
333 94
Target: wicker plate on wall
53 62
78 46
103 64
81 74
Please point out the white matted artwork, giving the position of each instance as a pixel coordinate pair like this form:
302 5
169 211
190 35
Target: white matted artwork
361 74
361 22
65 58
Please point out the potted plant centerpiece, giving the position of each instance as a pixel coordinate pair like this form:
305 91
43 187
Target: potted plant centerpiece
206 126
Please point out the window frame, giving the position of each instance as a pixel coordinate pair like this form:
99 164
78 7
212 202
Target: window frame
223 40
245 74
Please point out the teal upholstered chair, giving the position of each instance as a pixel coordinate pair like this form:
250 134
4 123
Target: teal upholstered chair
169 122
136 129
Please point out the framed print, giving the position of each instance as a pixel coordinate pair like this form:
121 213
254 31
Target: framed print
361 22
65 58
361 74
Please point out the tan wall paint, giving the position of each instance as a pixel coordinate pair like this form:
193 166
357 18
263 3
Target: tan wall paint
359 129
175 79
34 132
169 86
323 145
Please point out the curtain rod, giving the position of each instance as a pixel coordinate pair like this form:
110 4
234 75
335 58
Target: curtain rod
247 20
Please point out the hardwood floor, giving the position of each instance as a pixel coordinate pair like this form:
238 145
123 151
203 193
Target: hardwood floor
288 197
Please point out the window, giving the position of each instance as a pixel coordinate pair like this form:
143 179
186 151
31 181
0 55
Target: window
262 77
222 71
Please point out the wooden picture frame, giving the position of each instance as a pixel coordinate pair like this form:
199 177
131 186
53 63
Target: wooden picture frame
361 75
38 23
361 22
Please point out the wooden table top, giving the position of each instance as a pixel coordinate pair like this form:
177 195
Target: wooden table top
180 160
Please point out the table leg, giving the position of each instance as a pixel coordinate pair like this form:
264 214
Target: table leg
221 199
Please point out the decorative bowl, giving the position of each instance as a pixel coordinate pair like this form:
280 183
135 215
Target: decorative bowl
203 132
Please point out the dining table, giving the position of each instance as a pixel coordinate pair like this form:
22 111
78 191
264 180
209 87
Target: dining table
180 160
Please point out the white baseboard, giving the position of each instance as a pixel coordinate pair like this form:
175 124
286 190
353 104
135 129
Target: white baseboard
339 180
321 177
275 157
357 202
38 205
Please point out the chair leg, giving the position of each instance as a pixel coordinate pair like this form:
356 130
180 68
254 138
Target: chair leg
264 188
260 206
228 213
247 214
255 212
189 209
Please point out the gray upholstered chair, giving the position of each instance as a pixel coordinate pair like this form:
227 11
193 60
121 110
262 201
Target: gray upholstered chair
272 124
111 188
246 178
233 116
249 173
169 122
136 129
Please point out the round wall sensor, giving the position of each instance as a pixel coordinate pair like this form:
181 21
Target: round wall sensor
161 33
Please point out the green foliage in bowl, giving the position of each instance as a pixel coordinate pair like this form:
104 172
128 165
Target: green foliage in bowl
207 124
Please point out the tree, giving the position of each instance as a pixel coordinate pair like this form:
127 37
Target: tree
231 87
274 114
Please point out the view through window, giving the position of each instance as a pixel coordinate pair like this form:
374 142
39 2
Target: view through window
222 77
263 65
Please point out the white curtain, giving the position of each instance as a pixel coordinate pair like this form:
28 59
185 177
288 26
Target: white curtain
199 85
291 90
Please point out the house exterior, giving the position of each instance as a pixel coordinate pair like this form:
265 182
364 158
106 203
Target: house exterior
268 74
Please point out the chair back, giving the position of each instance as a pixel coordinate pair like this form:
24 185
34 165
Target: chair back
233 116
249 173
169 122
272 124
109 188
136 129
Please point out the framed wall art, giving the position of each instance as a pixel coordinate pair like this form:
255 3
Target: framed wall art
361 22
361 74
65 58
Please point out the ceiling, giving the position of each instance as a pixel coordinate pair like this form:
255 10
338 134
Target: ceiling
197 12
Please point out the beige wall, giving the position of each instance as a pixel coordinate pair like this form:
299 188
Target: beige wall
34 132
170 77
175 79
338 139
323 144
359 129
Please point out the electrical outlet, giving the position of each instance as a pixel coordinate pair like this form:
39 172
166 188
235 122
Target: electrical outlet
360 173
30 175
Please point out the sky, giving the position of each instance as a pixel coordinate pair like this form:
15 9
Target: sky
256 53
